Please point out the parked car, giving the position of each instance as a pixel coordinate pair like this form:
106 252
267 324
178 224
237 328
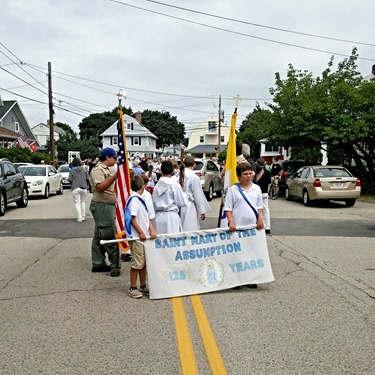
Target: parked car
64 170
42 180
209 175
13 186
323 182
22 164
289 168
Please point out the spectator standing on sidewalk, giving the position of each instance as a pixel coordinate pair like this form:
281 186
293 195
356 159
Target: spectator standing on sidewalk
78 177
103 209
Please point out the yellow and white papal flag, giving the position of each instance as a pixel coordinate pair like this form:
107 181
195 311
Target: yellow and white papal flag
230 177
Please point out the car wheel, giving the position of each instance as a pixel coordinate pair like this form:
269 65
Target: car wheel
46 192
3 204
210 193
306 198
350 202
61 190
24 200
288 197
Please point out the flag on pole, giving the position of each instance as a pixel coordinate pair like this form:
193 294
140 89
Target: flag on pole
22 142
33 147
123 181
230 177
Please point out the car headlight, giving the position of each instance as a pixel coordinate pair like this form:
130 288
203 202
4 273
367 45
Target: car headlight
36 183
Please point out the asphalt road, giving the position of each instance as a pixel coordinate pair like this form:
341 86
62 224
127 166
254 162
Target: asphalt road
317 317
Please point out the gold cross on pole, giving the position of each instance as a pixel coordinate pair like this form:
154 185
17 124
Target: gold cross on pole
120 95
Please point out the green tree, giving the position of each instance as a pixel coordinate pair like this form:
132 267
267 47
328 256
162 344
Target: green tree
253 129
166 127
335 110
97 123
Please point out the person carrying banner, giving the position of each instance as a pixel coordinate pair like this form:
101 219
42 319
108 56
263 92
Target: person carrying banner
168 198
103 210
243 203
197 203
140 226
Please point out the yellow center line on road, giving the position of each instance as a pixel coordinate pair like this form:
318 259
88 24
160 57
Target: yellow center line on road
185 347
212 351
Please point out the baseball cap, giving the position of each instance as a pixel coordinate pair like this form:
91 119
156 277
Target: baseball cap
108 151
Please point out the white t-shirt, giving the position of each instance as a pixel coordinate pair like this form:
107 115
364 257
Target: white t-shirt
241 211
147 197
138 210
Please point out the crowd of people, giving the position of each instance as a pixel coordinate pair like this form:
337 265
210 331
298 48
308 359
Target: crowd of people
166 198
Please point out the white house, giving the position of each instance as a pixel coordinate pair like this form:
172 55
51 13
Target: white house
13 123
42 133
204 139
139 140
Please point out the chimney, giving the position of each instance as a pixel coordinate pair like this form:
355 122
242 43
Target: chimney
373 69
138 116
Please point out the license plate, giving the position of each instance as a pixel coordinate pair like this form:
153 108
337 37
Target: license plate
338 185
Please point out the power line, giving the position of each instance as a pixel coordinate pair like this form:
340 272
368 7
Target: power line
17 63
259 25
237 32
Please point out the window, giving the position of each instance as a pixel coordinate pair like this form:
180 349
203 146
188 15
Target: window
16 127
222 139
201 139
136 141
270 147
211 124
129 126
114 140
305 173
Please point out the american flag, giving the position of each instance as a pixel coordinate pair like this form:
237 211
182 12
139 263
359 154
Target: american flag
123 181
22 142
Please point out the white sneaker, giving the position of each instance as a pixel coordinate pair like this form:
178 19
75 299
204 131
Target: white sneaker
78 220
134 293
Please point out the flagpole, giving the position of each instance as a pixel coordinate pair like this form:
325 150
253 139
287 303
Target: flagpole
230 164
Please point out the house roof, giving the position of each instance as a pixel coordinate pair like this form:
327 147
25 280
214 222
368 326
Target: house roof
200 149
138 130
9 133
6 107
55 128
141 149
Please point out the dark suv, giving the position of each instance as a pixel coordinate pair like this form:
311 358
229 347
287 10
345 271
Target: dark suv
13 186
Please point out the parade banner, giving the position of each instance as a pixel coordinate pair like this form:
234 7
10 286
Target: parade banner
205 261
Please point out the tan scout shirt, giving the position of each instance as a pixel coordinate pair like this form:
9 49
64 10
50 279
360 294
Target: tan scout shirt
98 174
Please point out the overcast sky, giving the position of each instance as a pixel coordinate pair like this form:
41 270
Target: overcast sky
97 47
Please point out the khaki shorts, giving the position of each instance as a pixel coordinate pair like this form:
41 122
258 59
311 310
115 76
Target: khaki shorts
138 255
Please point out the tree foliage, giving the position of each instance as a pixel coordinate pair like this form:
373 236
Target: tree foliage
97 123
166 127
252 129
335 110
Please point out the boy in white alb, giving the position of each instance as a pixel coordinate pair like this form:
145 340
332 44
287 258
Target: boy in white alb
243 203
141 227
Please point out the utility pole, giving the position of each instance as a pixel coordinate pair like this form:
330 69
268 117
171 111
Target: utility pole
50 105
219 129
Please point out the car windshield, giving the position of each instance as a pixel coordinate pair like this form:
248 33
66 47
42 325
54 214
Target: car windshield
198 166
331 172
64 168
33 171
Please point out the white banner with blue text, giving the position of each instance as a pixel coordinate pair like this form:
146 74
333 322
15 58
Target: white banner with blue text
204 261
